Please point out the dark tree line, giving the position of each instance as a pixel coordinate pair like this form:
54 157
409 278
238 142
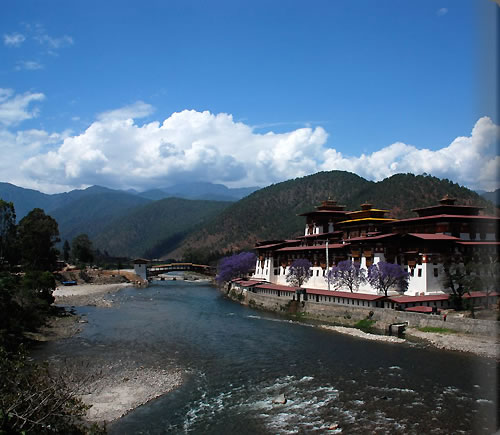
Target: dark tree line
33 399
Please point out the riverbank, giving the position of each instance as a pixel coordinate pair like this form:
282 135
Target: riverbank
358 333
87 294
120 389
481 345
333 316
114 389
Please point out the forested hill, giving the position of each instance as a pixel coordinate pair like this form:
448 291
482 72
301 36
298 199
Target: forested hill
271 213
156 228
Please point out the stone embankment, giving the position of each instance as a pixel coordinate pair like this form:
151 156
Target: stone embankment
463 334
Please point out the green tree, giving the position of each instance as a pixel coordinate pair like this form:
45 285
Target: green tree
37 235
34 399
7 229
299 272
460 276
82 249
489 272
66 251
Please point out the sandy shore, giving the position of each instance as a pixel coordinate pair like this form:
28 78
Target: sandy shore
87 294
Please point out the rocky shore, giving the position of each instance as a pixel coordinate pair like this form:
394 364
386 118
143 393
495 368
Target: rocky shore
120 389
484 346
358 333
479 345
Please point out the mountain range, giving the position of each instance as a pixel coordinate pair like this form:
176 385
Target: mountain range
174 223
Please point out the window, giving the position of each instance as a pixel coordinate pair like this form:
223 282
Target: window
276 271
436 272
419 273
412 272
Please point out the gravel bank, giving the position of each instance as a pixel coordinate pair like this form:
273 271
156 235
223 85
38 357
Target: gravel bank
478 345
87 294
121 390
358 333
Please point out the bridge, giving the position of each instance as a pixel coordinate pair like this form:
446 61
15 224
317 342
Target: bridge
145 270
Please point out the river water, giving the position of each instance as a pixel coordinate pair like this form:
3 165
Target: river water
236 360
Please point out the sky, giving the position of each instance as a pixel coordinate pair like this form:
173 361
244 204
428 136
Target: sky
129 94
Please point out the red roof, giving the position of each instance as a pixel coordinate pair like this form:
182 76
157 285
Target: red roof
474 243
421 309
443 216
269 286
408 299
272 245
331 233
311 248
479 295
433 236
348 295
249 283
369 238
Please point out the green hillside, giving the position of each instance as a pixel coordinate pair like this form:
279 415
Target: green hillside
271 213
156 228
91 213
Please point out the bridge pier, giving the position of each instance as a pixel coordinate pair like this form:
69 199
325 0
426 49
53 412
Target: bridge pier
141 268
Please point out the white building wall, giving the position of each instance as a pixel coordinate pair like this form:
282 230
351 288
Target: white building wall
425 284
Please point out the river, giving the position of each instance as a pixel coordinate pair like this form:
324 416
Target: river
236 360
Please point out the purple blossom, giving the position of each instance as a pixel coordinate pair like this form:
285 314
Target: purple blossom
384 276
299 272
237 265
347 274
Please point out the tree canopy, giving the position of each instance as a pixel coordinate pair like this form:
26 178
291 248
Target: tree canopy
7 229
37 235
81 247
299 272
383 276
347 274
237 265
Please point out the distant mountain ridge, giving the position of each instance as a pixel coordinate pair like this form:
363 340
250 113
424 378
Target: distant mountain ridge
494 197
199 190
121 223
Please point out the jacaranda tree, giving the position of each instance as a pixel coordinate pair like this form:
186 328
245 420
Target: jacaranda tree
235 266
383 276
347 274
299 272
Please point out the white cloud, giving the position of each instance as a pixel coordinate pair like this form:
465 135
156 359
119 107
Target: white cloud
14 108
14 39
29 65
137 110
470 160
441 12
54 43
118 152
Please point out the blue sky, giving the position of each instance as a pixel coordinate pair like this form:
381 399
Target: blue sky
146 94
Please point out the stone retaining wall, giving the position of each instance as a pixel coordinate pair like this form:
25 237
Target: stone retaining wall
384 317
